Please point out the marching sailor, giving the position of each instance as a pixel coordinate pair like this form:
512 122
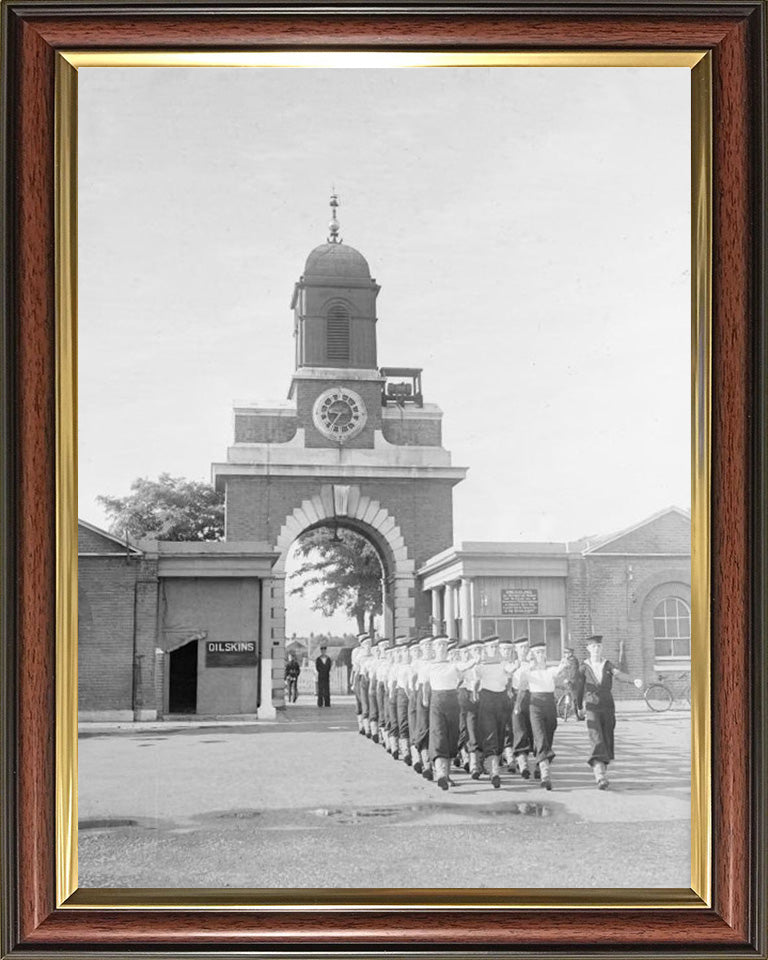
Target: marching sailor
420 738
522 738
358 655
468 741
402 675
443 681
539 681
493 706
506 652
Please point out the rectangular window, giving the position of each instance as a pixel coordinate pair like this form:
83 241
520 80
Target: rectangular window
547 630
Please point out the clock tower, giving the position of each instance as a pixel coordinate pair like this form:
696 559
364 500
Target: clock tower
355 445
336 385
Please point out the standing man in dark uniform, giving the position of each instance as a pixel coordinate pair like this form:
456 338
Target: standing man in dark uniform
323 667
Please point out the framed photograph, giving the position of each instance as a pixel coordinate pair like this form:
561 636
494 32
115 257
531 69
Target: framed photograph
383 480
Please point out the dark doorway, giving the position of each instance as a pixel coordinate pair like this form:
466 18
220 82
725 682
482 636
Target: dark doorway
182 688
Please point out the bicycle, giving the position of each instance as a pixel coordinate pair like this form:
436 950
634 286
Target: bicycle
659 696
566 705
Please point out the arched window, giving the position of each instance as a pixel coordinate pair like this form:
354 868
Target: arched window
672 629
337 346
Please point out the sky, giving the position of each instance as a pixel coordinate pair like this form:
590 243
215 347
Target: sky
529 227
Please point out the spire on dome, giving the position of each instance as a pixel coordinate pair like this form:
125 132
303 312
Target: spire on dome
333 226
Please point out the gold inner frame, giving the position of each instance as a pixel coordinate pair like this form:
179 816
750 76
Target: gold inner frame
68 895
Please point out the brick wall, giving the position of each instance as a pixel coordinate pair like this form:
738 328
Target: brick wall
412 433
612 596
252 429
106 590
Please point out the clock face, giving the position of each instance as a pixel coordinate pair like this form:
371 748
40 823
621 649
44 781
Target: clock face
339 413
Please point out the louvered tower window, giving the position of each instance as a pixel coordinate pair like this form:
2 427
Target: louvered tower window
338 335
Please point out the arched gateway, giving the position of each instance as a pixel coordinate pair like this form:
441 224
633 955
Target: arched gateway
356 445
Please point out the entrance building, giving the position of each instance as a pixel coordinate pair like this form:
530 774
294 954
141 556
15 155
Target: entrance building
171 628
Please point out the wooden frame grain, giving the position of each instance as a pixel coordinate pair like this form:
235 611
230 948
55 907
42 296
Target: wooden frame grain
735 33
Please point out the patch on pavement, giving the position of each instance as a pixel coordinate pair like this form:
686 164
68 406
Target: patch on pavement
107 824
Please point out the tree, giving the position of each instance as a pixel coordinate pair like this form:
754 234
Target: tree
347 568
169 508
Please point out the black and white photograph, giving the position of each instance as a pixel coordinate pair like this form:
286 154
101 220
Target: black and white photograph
384 477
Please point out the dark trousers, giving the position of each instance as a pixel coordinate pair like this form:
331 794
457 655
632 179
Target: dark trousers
443 724
467 721
492 721
420 735
401 713
600 726
373 703
522 737
543 725
362 695
323 691
293 689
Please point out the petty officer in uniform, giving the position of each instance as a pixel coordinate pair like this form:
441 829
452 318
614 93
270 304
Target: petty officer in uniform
493 674
593 694
443 681
522 739
539 681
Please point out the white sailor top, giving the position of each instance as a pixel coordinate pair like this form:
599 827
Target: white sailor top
445 674
494 676
540 679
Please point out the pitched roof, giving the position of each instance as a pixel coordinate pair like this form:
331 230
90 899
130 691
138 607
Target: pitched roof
92 539
667 531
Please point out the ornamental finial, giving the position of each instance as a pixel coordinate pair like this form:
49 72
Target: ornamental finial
333 226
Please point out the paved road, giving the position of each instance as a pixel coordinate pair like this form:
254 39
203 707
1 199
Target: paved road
306 802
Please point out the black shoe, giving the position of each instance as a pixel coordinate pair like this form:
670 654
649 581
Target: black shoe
475 774
442 783
457 762
407 760
466 767
526 774
395 755
363 733
537 774
418 767
375 737
602 784
496 781
428 775
546 783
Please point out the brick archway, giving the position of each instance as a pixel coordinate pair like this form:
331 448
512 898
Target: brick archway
341 503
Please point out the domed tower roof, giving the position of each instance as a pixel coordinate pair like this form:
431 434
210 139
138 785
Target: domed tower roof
337 261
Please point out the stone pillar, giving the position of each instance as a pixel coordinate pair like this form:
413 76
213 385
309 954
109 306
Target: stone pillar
403 589
450 610
145 706
272 647
466 609
436 612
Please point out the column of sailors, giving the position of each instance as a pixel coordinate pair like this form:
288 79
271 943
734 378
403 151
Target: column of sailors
431 703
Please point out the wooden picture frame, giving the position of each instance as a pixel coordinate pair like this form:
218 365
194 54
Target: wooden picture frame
34 558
